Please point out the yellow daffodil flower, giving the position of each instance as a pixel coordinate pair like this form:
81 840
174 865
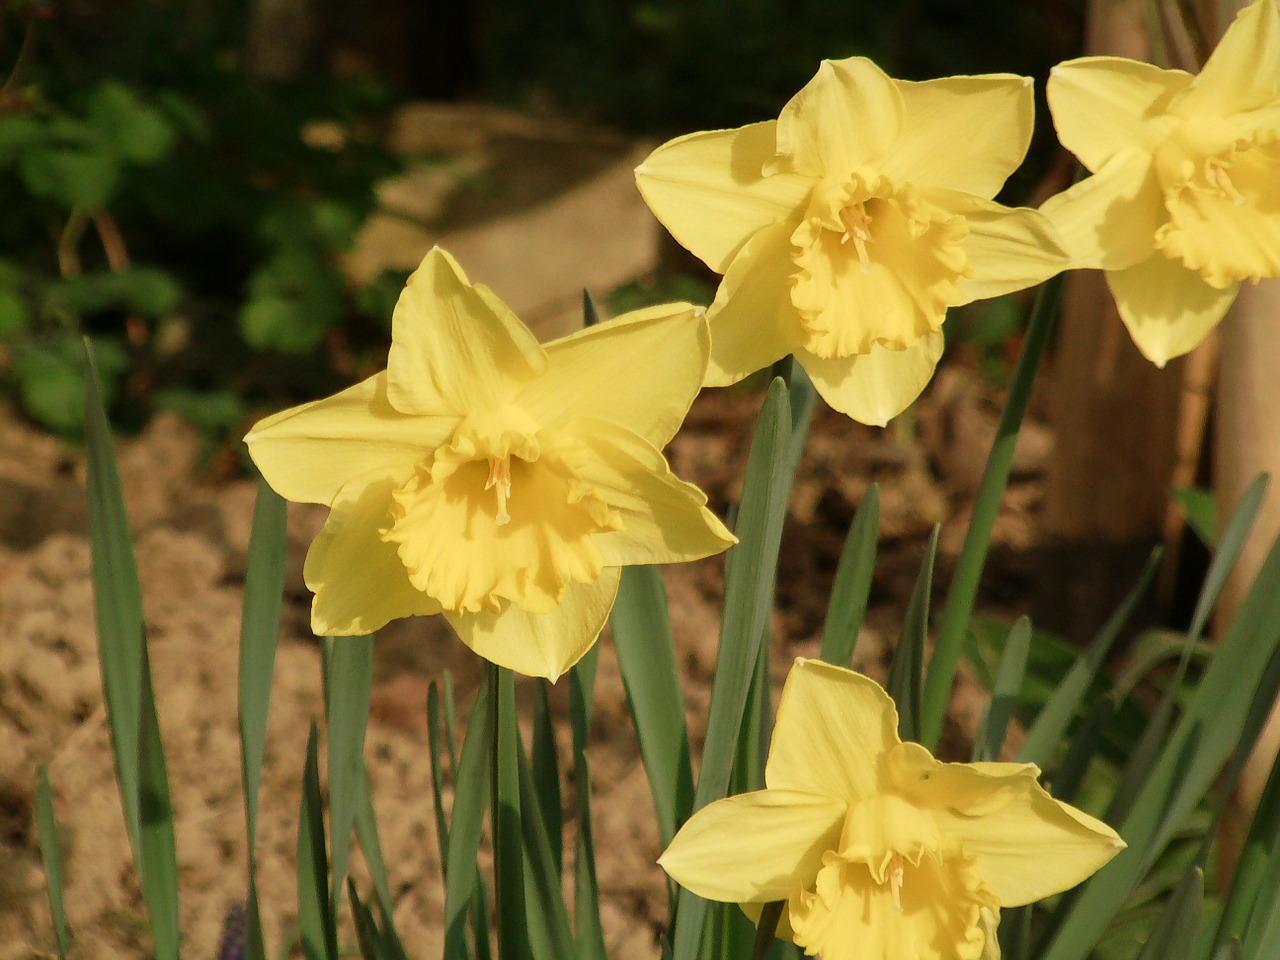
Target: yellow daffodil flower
879 850
495 480
1184 201
848 226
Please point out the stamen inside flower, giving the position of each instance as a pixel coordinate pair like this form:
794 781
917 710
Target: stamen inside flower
857 227
500 477
849 300
1215 172
895 876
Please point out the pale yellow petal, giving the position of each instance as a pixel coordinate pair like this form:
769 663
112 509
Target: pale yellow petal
833 726
542 644
664 519
1008 248
962 133
308 453
845 117
1243 72
758 846
1109 220
1031 846
710 191
641 370
1167 308
358 579
753 322
877 386
1102 105
455 347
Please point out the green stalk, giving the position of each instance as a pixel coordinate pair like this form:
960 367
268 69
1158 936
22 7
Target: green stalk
977 539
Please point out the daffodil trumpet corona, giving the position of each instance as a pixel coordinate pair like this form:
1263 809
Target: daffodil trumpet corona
846 228
1184 201
878 850
495 480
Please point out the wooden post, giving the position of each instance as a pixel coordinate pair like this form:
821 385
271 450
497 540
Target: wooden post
1115 420
1248 443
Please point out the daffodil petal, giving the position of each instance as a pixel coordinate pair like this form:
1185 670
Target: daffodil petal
789 831
455 347
1243 72
833 725
846 116
1101 105
1008 248
664 519
962 133
1069 845
1109 220
753 322
308 453
597 368
541 644
710 191
1167 308
875 387
357 577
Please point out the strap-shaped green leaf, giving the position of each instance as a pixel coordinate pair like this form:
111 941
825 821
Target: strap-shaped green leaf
747 605
126 681
51 854
348 689
259 635
977 539
905 682
852 584
647 661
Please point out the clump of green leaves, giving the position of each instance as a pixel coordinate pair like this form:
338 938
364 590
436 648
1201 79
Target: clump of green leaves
185 216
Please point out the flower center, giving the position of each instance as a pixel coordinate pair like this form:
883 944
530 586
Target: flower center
857 227
497 515
1222 194
500 477
933 904
875 264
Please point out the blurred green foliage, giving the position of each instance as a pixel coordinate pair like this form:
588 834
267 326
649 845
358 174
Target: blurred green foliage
183 214
189 217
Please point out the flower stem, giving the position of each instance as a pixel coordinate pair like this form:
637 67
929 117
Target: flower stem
977 539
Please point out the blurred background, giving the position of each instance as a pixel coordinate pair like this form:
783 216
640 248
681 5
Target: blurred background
227 196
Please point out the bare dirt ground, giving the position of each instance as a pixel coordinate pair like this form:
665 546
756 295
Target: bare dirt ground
191 535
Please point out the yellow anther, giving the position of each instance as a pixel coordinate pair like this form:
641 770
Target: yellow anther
857 227
1215 171
500 478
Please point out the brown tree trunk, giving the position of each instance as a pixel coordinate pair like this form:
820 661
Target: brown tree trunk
1248 443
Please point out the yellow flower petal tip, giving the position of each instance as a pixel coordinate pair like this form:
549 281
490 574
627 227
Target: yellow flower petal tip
1185 189
879 850
491 478
854 221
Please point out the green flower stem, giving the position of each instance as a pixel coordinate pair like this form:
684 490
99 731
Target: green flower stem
508 853
977 540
